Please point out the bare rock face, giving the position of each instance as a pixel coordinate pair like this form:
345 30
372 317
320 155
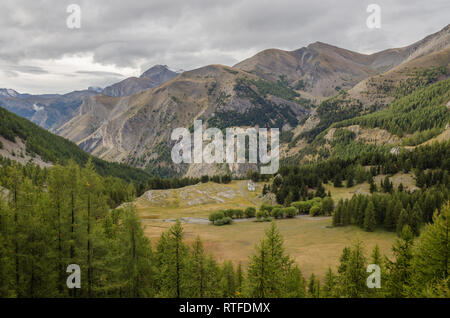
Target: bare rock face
136 128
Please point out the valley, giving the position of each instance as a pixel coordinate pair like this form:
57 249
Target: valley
89 178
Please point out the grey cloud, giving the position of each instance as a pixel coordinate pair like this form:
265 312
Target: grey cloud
100 73
189 34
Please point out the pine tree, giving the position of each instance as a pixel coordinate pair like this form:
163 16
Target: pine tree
239 279
329 285
403 220
400 269
295 283
416 219
353 279
137 259
312 286
172 262
198 268
431 263
370 221
227 282
259 272
377 259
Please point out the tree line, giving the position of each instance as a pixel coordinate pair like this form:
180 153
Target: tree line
61 215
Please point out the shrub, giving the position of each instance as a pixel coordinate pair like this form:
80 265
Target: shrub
238 213
277 213
302 206
223 221
229 213
266 208
213 217
327 205
204 179
250 212
261 214
315 210
290 212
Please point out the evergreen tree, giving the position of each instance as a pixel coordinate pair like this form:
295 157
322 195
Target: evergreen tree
369 218
431 265
400 269
329 286
353 279
228 283
173 258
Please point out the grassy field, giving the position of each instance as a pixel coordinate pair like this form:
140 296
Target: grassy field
197 200
310 241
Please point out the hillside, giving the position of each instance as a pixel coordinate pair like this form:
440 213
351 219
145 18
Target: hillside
409 120
48 110
321 69
153 77
136 129
25 140
53 110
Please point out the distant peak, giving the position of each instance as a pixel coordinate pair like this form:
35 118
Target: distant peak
157 70
8 92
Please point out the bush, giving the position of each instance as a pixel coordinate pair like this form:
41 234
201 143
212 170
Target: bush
250 212
238 213
261 214
229 213
327 206
290 212
266 208
204 179
277 213
1 145
315 210
223 221
302 206
215 216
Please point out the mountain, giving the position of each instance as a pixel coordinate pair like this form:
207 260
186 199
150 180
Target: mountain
321 69
47 110
53 110
153 77
136 129
305 93
24 141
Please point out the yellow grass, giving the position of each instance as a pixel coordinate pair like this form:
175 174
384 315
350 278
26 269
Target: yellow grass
310 241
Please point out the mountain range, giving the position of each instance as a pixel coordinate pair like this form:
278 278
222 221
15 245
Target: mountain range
303 92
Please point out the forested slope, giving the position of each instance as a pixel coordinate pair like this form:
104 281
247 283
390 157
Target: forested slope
56 149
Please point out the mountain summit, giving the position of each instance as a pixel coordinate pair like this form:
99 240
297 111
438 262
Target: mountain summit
153 77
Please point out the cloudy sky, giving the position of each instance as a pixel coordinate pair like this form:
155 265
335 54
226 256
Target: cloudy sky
117 39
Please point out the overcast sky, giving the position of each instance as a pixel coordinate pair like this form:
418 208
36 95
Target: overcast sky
121 38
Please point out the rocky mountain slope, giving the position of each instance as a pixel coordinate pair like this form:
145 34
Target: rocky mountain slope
153 77
136 129
53 110
303 92
321 69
